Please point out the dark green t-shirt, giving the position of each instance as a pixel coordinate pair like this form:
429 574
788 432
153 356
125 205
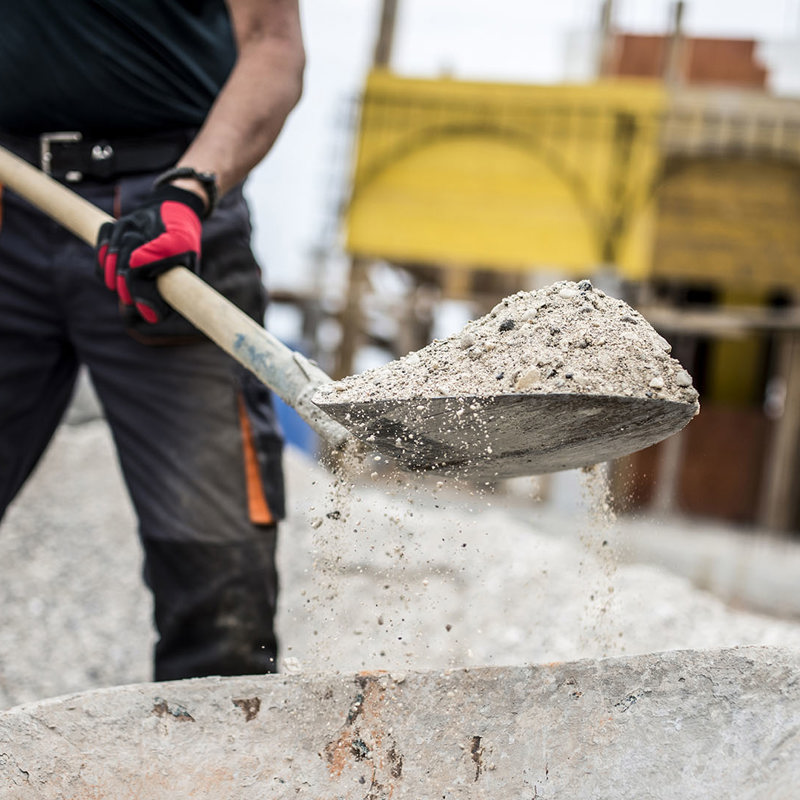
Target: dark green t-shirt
111 66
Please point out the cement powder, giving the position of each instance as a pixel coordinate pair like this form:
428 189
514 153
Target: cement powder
568 337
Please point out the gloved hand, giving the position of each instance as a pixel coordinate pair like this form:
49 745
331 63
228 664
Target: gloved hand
133 251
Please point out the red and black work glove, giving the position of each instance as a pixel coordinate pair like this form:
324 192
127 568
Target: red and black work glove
164 232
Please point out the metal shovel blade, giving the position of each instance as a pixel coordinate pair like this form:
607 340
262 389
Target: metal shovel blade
510 435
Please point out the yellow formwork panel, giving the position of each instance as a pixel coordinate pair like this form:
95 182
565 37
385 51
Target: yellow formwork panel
506 176
729 222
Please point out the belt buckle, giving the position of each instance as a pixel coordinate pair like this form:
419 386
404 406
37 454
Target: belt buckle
46 154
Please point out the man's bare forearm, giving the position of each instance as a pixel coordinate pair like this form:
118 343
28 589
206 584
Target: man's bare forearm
264 86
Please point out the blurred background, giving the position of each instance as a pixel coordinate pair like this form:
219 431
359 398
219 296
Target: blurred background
448 153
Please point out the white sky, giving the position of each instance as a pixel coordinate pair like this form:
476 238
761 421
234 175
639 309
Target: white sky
516 40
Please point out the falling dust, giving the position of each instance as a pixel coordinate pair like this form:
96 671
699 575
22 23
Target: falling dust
355 542
379 568
566 338
600 563
329 523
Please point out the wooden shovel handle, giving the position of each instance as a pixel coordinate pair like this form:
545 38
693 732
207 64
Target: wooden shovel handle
288 373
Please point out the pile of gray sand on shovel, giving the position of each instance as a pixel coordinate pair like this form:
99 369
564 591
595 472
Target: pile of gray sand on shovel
566 338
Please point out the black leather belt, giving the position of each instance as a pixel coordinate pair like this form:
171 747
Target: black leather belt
72 157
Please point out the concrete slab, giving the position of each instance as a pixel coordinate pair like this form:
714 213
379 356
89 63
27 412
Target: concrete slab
682 724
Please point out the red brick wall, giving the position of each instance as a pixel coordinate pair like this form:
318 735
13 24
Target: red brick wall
728 62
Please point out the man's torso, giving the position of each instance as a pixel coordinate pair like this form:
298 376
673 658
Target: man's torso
111 66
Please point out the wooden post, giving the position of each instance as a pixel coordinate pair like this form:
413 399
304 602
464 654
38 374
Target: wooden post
606 48
673 66
383 47
779 504
351 320
671 451
670 461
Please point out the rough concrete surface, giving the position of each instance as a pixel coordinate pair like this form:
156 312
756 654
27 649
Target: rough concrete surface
423 579
678 725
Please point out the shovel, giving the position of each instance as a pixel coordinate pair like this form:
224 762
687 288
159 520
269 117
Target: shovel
288 373
476 437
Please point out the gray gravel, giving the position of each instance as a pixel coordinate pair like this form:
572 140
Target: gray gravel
75 612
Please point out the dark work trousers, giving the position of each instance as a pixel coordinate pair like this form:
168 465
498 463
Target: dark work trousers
195 433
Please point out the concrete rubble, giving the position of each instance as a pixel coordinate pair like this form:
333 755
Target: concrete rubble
682 724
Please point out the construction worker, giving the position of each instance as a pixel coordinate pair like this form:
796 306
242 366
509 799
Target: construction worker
155 111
